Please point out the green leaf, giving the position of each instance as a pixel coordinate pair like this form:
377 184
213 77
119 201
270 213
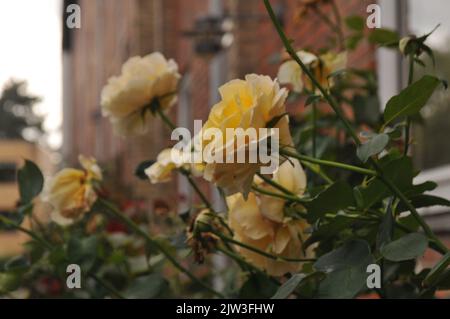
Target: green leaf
140 169
401 172
328 230
9 282
312 99
347 268
31 181
344 283
409 222
258 286
422 188
352 41
79 249
146 287
384 37
349 255
398 170
355 22
425 200
334 198
407 247
17 264
289 286
386 228
372 147
411 99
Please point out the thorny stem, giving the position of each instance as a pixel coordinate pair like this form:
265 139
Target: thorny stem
276 185
278 195
165 118
304 158
258 251
197 189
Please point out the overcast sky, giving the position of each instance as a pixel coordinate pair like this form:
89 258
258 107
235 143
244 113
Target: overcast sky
30 35
424 15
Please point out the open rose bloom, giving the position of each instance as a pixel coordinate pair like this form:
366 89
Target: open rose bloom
127 99
260 222
250 103
322 67
71 192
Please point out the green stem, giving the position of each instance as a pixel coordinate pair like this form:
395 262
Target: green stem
242 262
354 217
261 252
197 190
278 195
191 181
426 228
319 172
290 50
314 129
408 119
304 158
165 118
125 219
333 27
349 128
26 231
338 18
106 285
276 185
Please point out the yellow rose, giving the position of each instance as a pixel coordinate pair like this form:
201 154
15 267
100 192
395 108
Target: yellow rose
291 73
322 67
127 98
249 103
161 170
260 222
168 160
71 192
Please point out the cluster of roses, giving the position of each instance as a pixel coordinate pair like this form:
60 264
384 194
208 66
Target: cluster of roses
146 87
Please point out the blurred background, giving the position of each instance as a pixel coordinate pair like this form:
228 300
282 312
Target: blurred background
51 78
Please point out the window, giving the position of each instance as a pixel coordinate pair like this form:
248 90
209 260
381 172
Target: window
7 172
432 147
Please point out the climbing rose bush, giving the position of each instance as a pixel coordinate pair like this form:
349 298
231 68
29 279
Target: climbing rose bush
341 200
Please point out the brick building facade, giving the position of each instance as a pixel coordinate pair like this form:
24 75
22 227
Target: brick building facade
114 30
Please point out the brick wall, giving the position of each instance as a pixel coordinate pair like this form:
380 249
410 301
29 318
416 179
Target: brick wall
114 30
